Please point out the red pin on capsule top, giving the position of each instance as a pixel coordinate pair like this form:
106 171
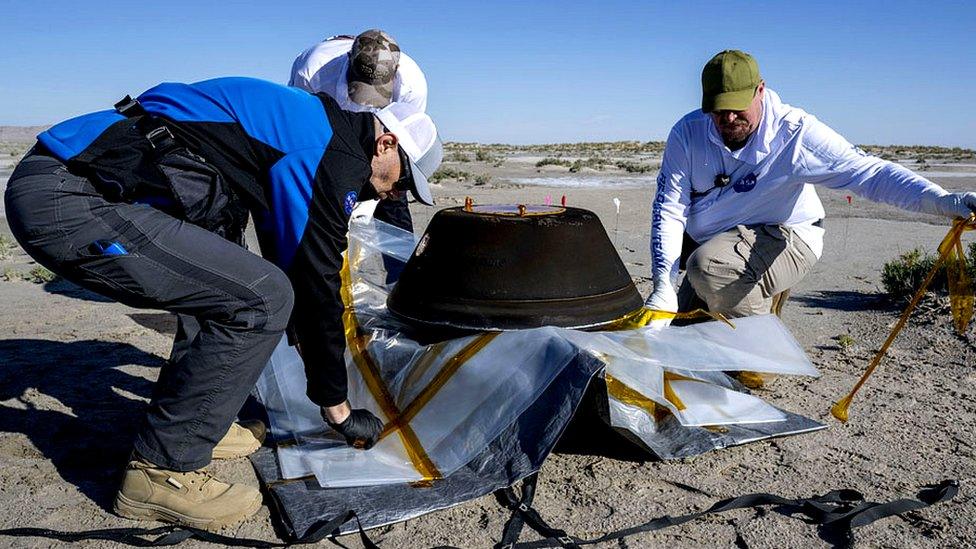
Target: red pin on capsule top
563 201
849 198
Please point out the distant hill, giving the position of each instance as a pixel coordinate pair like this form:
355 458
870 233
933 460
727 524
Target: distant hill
20 134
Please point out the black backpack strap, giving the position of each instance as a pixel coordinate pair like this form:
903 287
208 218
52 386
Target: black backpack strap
129 107
158 135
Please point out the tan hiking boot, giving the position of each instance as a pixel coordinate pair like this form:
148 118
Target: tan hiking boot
190 499
243 439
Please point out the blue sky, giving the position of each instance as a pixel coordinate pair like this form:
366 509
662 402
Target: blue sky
524 72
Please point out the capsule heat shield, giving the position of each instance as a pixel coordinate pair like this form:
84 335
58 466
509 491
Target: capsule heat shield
498 268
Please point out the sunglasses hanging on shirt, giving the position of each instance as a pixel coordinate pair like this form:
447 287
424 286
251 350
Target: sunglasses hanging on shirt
721 180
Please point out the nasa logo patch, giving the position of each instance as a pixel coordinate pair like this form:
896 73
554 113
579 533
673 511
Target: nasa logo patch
349 202
745 184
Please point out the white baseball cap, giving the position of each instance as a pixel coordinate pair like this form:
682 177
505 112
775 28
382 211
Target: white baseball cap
418 138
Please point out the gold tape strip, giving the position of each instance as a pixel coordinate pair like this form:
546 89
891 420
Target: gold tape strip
628 395
367 368
641 317
840 408
961 297
624 393
442 377
669 391
423 364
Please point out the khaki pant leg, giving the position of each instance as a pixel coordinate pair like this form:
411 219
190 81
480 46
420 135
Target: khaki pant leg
739 271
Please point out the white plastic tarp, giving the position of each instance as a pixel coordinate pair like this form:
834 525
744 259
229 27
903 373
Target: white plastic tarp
444 402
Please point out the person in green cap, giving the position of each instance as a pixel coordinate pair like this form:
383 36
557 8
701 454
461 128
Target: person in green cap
736 193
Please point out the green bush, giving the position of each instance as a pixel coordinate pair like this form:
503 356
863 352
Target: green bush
902 277
458 156
482 178
444 174
845 341
593 162
482 155
40 275
633 167
7 246
10 275
553 161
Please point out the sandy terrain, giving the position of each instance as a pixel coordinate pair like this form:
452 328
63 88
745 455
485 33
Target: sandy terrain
75 372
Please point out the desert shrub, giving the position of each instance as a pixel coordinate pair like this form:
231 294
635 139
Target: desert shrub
482 178
553 161
7 246
845 341
10 275
482 155
902 277
458 156
633 167
40 275
444 174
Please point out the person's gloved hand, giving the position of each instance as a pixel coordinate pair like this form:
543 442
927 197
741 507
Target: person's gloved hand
361 429
663 298
958 204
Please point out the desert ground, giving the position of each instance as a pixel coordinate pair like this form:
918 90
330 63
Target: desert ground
76 370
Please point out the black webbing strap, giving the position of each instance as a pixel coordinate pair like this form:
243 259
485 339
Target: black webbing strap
523 513
836 513
129 107
172 535
158 135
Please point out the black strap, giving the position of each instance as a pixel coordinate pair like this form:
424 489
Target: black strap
523 513
836 513
158 135
129 107
172 535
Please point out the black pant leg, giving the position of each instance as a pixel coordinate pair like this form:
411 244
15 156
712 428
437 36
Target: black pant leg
241 301
187 329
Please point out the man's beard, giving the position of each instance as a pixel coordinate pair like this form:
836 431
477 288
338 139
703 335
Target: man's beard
735 134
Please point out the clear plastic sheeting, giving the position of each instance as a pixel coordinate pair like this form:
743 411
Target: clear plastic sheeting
444 402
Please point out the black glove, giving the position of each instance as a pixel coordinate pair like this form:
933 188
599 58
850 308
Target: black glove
362 429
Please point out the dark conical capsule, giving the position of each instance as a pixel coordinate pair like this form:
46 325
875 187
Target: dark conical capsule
512 267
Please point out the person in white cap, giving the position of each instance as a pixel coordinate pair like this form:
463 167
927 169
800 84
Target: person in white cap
738 180
361 73
365 73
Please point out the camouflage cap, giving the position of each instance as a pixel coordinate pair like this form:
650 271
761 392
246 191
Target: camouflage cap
373 64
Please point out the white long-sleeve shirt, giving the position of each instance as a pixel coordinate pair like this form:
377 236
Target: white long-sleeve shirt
771 181
322 69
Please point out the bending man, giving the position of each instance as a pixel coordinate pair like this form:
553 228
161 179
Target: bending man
145 204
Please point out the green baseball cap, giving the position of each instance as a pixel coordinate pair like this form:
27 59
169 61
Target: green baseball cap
729 81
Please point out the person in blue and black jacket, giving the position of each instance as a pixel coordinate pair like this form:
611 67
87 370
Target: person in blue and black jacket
147 204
